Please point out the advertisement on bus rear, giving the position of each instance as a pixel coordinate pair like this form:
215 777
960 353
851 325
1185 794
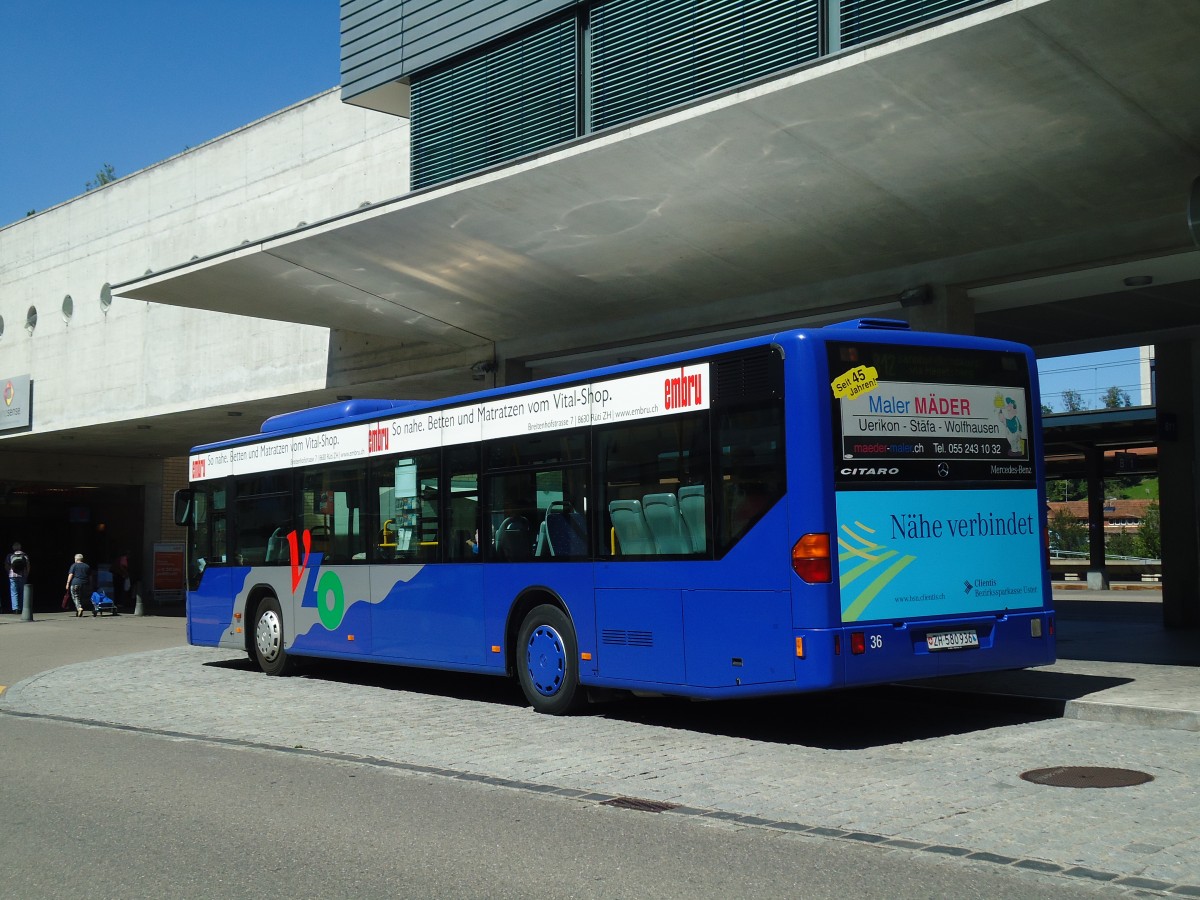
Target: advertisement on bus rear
911 554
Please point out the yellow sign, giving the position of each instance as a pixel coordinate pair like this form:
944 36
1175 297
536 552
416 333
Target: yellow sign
858 380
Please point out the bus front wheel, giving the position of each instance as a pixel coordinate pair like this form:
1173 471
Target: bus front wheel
272 658
548 661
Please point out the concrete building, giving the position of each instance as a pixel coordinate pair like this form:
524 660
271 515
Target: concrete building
1019 169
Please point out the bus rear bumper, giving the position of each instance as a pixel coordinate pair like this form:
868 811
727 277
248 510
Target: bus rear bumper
885 652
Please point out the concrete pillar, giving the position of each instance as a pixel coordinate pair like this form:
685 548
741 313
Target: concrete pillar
947 309
1097 576
1177 369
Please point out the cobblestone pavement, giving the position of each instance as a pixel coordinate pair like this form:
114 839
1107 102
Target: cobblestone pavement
957 794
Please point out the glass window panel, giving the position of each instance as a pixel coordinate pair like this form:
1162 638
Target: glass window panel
406 507
331 510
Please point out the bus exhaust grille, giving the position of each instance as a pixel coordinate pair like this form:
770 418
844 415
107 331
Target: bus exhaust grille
622 638
640 805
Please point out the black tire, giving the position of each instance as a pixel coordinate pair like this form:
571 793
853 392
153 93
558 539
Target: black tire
268 636
547 661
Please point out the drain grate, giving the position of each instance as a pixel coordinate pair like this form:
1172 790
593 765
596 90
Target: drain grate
639 804
1087 777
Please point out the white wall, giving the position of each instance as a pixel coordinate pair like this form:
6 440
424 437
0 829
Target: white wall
314 160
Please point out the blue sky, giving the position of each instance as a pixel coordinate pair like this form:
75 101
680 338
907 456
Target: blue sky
1091 375
133 82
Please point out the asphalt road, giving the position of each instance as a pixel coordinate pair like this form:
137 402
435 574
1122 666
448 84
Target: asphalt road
98 812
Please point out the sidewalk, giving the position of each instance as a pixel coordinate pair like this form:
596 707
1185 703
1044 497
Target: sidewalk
1116 663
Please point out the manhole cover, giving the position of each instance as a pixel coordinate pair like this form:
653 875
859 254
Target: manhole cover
640 805
1087 777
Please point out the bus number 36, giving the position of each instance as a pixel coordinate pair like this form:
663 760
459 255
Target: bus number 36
876 641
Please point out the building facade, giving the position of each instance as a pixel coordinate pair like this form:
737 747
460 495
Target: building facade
605 180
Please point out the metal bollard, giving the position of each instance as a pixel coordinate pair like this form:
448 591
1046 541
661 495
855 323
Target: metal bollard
27 604
137 601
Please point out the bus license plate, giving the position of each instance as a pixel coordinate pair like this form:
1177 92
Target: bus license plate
952 640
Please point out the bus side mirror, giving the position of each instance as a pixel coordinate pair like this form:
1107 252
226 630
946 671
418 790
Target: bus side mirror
183 506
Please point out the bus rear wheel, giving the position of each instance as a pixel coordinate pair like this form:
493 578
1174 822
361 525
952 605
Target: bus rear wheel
548 661
272 658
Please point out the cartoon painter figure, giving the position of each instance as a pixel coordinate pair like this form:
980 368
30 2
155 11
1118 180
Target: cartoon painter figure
1016 431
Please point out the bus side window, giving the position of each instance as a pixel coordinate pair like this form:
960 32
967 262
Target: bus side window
406 511
262 509
332 512
462 512
752 466
512 513
655 495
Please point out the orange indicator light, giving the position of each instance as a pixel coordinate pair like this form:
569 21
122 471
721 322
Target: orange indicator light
349 637
495 648
585 656
800 648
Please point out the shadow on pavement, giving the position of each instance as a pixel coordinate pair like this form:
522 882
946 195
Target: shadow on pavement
1122 631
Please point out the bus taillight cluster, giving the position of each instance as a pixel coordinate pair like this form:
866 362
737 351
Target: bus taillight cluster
810 559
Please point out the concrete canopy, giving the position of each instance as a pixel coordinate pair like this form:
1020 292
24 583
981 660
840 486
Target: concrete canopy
1029 157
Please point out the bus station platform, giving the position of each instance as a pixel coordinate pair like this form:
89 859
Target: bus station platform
1116 663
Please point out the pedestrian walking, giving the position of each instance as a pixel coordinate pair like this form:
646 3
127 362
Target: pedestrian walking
18 573
79 583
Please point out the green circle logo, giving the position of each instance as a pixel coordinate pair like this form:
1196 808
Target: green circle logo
331 600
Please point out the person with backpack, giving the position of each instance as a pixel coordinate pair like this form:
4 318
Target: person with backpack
18 574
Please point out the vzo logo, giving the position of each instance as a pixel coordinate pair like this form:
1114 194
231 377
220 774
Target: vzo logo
967 587
331 595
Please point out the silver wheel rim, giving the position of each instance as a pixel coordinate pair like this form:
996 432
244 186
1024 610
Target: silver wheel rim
268 635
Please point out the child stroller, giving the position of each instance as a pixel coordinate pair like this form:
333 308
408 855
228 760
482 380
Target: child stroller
102 603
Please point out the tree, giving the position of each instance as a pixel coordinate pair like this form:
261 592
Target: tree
1068 532
106 175
1123 544
1046 409
1149 533
1115 398
1067 489
1072 400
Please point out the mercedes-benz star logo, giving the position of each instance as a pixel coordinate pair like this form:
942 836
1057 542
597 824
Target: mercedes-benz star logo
943 469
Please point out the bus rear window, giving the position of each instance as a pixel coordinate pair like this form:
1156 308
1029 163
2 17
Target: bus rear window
929 414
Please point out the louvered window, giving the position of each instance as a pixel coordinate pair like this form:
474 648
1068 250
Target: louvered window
863 20
511 100
647 55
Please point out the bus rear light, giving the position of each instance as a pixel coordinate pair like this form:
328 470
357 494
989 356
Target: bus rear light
1035 628
858 642
810 559
837 645
1050 625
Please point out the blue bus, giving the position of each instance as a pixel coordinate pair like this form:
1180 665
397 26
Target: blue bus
808 510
